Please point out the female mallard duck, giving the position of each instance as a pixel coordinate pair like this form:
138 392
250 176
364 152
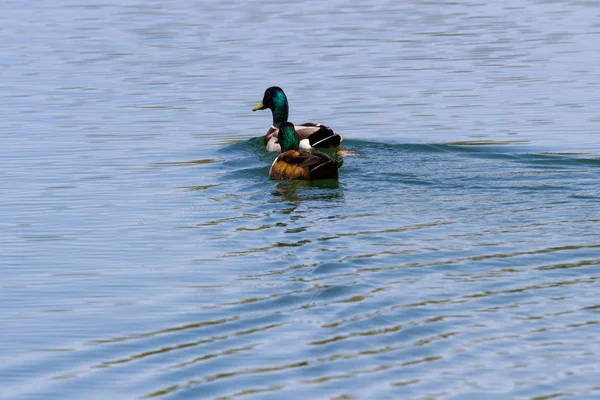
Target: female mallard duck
293 163
312 134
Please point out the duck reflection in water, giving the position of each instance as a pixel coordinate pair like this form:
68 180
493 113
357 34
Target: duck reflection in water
328 190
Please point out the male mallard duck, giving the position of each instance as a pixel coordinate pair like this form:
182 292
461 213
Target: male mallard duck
312 134
293 163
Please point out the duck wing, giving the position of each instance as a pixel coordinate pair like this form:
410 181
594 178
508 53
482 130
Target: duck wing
301 158
319 165
287 166
318 135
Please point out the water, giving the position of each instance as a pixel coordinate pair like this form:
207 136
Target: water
145 253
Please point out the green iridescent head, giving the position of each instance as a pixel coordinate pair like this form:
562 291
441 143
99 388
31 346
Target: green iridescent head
276 100
287 137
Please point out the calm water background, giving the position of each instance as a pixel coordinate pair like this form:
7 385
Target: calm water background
145 254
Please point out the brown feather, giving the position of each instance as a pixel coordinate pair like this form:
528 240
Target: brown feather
283 171
303 165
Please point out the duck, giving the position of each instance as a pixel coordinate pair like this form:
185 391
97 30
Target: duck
312 134
296 164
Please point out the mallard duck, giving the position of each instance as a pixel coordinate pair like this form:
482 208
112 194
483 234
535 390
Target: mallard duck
312 134
294 163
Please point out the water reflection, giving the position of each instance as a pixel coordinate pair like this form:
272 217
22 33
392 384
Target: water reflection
296 191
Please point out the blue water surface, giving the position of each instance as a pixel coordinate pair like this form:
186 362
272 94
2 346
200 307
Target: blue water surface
144 253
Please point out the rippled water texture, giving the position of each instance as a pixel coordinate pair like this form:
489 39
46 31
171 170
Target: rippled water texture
145 254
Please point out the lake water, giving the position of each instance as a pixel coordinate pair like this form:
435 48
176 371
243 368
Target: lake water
144 253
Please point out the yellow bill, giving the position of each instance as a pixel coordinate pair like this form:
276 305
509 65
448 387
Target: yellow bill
260 106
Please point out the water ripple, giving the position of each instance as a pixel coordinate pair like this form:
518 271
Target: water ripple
146 254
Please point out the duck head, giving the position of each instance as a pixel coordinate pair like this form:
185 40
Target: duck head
275 99
288 138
